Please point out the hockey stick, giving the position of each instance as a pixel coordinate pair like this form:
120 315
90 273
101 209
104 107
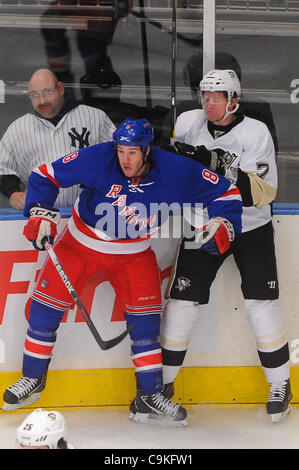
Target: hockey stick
145 58
157 24
173 72
104 345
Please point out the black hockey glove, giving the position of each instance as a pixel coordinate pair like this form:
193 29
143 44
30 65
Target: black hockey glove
199 153
217 159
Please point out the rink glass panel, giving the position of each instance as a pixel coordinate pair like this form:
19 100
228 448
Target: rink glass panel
132 39
263 38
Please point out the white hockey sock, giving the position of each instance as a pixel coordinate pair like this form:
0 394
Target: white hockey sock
178 320
267 322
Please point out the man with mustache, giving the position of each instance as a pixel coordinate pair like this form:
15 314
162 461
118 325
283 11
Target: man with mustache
57 126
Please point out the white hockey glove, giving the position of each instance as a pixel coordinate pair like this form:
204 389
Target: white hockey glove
216 236
42 224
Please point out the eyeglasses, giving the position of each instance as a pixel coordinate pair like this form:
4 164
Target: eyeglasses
45 93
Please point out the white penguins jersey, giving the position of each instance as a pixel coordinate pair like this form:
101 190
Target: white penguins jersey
251 147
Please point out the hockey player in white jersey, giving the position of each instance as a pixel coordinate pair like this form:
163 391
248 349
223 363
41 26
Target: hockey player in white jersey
241 149
56 126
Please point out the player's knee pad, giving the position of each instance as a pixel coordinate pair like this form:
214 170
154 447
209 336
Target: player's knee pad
178 320
145 331
267 322
44 319
264 316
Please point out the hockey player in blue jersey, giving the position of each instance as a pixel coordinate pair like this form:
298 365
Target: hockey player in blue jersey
124 183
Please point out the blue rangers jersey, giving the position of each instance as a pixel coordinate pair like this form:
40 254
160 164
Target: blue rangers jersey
117 214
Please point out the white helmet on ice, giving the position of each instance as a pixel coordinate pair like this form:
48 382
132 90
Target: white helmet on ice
222 80
42 428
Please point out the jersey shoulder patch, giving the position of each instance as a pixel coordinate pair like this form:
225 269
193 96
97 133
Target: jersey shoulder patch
70 157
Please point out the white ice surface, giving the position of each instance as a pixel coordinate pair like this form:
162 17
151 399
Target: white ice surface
210 427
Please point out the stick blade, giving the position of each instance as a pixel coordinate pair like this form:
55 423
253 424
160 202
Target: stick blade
110 343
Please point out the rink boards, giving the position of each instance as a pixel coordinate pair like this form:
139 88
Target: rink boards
221 366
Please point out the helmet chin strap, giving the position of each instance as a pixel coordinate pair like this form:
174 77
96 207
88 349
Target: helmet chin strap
144 161
227 112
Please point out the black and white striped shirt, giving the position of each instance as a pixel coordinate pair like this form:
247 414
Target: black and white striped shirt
32 140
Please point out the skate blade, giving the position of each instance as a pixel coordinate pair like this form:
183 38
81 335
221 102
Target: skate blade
275 418
27 401
156 419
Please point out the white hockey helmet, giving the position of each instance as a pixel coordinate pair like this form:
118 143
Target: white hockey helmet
42 428
222 80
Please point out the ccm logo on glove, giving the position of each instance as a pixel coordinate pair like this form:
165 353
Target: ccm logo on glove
41 225
216 236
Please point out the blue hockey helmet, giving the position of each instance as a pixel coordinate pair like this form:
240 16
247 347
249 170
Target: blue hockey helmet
134 132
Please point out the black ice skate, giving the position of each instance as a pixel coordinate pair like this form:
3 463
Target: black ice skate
156 408
278 405
24 392
168 390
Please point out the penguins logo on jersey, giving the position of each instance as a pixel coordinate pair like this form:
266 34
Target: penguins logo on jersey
227 160
183 283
